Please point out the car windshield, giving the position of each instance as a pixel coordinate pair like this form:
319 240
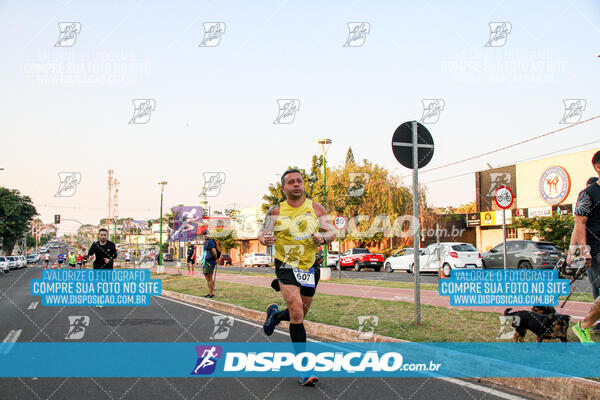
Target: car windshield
360 251
260 254
463 247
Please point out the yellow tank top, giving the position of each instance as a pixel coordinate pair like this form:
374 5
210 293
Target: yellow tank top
294 228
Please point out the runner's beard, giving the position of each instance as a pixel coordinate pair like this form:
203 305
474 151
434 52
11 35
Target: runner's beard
292 196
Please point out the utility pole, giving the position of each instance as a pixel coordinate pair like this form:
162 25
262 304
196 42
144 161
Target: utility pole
162 188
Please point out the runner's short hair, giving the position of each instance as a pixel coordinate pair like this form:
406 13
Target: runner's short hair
102 230
289 171
596 158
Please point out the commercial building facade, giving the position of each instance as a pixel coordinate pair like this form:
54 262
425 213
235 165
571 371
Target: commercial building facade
541 188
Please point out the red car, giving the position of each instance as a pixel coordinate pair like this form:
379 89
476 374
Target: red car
224 259
359 258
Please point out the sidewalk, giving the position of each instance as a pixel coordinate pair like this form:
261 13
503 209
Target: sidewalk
577 310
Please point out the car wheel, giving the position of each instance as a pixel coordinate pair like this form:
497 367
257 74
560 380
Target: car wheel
356 266
410 269
524 265
388 268
337 266
482 264
447 269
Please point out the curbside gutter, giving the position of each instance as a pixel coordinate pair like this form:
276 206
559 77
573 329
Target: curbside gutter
549 388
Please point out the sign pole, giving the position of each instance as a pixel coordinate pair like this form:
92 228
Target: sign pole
504 234
415 183
412 154
340 254
504 199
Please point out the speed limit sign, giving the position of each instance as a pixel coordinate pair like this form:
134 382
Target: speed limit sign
339 222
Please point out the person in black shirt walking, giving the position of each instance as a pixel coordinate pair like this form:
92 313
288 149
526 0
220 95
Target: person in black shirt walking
586 239
103 252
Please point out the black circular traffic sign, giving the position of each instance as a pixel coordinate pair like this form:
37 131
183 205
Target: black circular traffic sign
402 145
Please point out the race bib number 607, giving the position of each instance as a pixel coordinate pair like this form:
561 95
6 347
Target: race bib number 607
305 278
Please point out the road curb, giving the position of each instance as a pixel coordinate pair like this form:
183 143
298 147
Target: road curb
549 388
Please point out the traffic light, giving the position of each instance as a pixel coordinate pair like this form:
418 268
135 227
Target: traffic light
57 218
149 223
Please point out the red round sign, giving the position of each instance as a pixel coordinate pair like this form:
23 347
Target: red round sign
504 197
339 222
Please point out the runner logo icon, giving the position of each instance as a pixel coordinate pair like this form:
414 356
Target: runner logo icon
357 33
77 325
223 324
68 34
499 32
207 359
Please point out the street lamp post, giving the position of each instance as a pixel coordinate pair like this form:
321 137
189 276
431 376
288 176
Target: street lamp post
325 144
162 188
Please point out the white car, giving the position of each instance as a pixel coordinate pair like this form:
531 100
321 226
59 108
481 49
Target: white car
4 264
332 258
449 255
401 260
254 259
13 263
43 249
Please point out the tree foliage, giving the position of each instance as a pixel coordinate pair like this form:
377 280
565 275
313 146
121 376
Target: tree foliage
16 213
355 189
557 228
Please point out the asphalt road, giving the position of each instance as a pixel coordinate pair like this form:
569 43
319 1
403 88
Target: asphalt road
170 321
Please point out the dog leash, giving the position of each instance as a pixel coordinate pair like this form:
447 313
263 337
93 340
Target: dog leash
561 267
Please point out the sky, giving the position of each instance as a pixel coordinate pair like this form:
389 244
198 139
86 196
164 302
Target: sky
68 108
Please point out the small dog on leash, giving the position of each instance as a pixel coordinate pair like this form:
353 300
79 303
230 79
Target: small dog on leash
545 326
543 309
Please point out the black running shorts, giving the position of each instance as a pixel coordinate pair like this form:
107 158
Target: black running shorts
285 275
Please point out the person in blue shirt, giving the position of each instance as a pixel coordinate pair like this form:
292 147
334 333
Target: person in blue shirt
209 262
61 259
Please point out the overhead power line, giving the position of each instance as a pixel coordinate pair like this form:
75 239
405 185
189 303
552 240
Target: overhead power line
509 146
515 162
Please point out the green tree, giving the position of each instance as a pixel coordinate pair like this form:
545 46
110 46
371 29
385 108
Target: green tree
16 213
350 156
557 228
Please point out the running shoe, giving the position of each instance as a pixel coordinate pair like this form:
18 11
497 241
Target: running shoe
582 334
308 381
270 323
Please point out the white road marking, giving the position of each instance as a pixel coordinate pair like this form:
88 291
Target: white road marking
9 341
33 305
235 319
449 380
485 389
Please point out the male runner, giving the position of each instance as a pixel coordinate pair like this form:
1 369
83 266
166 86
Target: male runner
586 239
296 227
60 260
46 261
72 260
80 260
102 252
127 258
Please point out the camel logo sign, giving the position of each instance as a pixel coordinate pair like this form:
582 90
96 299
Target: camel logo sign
555 185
